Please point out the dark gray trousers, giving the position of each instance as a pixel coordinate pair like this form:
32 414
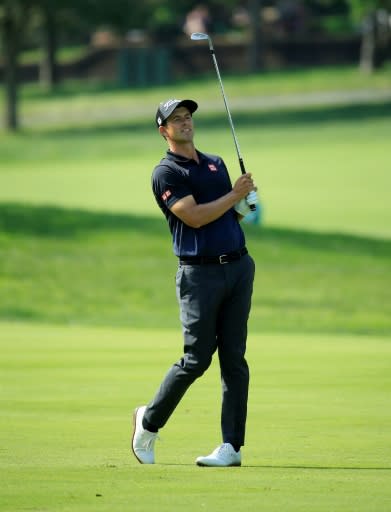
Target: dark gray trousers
214 305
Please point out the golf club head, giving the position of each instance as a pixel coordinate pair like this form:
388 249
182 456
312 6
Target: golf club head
198 36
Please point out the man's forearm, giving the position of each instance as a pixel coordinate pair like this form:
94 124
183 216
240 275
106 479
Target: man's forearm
198 215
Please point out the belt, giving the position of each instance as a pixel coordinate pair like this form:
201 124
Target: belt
205 260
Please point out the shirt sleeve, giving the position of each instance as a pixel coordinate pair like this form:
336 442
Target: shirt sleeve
169 185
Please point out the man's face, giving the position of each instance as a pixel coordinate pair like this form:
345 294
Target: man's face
179 126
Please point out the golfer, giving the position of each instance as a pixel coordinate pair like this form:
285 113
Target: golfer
214 282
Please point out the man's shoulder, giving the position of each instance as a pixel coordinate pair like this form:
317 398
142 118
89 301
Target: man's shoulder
209 156
166 165
168 171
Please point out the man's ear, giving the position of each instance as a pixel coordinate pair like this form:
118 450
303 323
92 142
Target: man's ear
163 131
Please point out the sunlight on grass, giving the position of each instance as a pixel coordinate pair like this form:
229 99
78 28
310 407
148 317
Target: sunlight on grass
323 168
64 55
89 320
318 420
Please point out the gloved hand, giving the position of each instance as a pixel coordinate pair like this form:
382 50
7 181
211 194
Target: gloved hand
252 198
242 207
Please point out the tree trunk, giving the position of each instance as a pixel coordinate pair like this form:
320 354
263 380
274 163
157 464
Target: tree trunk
48 70
10 45
368 45
254 58
375 40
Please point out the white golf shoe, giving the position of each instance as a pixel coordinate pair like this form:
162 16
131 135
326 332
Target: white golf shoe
143 441
223 456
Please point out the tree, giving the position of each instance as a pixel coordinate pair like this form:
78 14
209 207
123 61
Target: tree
254 8
13 18
51 17
374 17
48 69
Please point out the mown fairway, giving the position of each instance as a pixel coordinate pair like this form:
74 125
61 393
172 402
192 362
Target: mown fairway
324 169
320 168
89 321
318 431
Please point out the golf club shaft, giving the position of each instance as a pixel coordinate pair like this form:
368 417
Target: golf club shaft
242 168
241 163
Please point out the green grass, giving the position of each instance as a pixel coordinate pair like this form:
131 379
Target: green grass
88 101
64 55
89 321
72 266
82 240
246 85
319 169
317 439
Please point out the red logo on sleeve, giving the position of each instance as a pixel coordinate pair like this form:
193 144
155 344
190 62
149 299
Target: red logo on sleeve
166 195
212 167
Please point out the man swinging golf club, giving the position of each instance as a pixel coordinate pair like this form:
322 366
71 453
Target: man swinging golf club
214 282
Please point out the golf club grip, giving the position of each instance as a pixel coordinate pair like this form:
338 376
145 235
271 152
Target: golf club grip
243 171
242 168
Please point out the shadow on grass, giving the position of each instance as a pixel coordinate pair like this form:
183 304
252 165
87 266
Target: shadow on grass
55 222
324 468
212 120
332 242
318 468
304 115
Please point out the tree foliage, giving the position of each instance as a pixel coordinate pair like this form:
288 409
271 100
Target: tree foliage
24 22
361 8
374 18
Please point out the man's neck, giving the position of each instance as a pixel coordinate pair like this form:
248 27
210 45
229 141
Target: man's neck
186 150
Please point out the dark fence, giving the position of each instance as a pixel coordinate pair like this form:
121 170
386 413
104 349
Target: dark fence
157 65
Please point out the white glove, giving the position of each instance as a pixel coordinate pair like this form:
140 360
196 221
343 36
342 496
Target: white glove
252 198
242 207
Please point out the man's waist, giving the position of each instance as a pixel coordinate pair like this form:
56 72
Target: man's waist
221 259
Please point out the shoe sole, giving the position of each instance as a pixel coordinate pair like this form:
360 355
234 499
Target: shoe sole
202 465
134 433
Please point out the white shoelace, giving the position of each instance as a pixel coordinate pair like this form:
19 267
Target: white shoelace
149 442
224 449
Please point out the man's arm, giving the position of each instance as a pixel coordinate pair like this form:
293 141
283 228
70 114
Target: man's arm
197 215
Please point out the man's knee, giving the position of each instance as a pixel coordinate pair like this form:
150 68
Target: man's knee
195 364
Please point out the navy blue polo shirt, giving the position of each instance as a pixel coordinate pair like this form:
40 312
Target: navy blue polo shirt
176 177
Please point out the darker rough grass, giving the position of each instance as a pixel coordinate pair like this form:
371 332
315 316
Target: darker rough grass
59 265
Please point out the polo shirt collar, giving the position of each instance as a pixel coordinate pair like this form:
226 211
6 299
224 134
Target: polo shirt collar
182 159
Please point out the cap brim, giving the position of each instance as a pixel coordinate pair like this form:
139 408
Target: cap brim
189 104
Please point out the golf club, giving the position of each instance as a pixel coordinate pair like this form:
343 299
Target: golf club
200 36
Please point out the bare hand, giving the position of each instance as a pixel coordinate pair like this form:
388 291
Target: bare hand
243 185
